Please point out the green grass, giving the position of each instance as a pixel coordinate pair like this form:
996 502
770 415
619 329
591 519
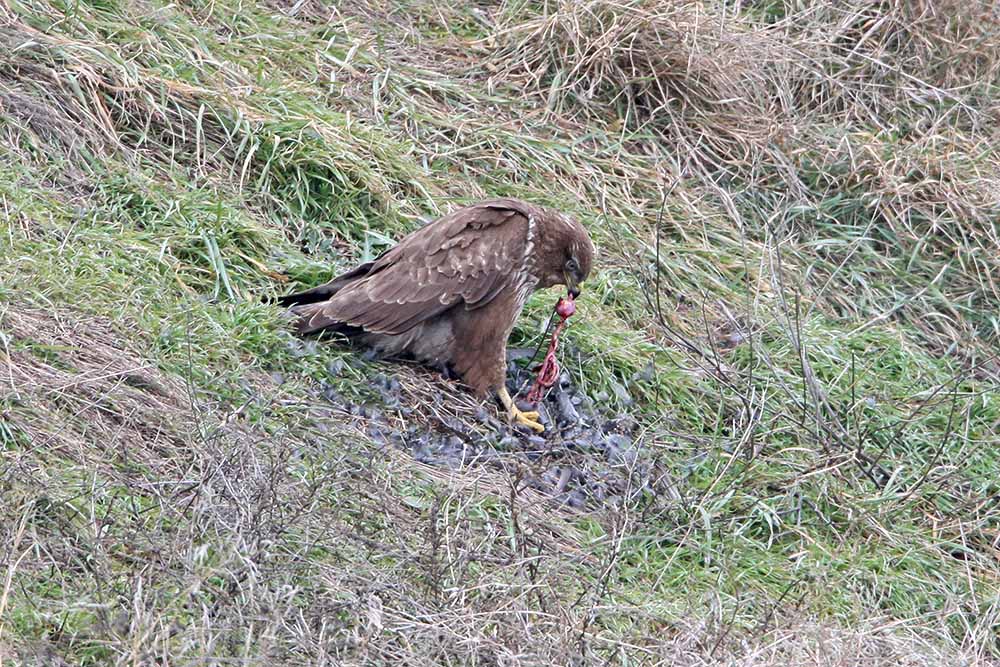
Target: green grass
806 332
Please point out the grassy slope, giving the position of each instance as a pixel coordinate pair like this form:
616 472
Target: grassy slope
826 266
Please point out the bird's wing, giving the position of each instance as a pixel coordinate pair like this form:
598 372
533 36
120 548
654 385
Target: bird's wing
465 257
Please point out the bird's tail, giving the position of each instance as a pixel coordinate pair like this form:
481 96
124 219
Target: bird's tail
311 318
325 291
314 295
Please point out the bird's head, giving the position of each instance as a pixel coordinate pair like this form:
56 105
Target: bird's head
579 258
568 253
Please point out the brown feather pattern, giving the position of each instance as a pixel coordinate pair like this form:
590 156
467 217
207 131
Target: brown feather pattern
450 292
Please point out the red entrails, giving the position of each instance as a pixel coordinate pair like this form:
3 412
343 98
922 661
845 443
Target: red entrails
548 372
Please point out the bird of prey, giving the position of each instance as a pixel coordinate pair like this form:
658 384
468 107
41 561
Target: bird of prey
448 293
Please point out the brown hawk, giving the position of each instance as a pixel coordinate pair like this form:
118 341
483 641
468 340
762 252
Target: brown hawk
449 292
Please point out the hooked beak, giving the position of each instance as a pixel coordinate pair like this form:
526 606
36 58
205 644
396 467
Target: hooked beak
572 285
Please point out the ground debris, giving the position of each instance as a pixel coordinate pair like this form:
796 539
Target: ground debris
587 457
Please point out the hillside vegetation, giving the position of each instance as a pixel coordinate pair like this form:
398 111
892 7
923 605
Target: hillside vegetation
793 325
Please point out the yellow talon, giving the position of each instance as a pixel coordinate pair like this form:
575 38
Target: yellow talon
528 418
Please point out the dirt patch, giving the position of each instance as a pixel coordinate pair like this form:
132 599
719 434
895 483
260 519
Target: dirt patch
589 456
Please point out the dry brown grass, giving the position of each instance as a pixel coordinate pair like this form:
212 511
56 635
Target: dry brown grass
185 506
77 384
728 90
684 71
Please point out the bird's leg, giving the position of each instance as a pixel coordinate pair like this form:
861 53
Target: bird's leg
529 419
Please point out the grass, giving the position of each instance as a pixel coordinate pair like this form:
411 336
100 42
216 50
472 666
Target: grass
795 299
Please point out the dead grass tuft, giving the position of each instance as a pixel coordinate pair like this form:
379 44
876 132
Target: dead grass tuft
700 79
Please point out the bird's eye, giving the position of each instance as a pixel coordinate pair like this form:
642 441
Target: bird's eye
571 265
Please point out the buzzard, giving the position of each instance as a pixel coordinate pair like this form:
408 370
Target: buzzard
448 293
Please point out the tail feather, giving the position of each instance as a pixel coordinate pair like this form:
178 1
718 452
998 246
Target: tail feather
325 291
314 295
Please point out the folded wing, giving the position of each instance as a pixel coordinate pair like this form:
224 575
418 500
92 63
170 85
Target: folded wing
463 259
